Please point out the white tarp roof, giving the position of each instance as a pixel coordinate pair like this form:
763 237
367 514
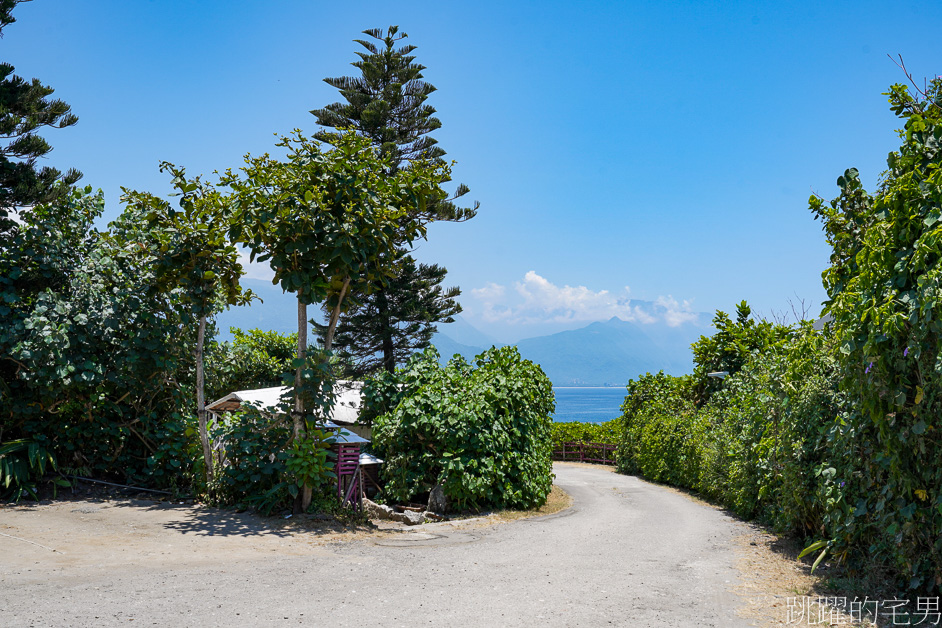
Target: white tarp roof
346 407
264 398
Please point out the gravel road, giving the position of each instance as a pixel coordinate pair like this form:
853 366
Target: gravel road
625 554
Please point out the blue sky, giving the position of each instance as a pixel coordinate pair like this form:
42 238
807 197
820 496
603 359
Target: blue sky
633 150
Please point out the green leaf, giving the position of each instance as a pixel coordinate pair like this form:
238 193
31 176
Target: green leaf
812 548
818 560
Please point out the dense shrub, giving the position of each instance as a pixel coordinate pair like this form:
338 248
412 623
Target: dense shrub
94 363
580 432
656 437
254 359
885 289
757 446
730 347
766 452
263 466
481 430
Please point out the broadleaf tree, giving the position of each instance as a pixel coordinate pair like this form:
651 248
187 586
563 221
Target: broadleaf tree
194 257
387 104
326 220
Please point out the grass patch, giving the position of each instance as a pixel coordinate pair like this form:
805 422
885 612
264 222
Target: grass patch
557 500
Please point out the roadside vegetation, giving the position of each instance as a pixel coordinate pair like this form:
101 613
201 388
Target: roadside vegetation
829 433
109 348
480 431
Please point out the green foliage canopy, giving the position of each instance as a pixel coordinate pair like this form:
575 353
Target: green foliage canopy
94 365
884 287
323 216
481 430
387 104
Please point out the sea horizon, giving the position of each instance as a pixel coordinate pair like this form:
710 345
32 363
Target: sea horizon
588 404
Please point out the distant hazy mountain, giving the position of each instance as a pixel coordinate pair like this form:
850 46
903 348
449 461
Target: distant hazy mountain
605 353
448 347
464 333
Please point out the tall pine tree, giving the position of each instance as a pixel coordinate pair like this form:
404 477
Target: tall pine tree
413 302
24 109
387 104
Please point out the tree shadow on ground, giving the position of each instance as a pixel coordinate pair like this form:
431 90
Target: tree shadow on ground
198 519
190 517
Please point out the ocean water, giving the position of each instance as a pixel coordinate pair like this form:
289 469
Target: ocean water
589 405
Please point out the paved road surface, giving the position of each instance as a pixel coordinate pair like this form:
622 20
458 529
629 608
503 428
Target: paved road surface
626 554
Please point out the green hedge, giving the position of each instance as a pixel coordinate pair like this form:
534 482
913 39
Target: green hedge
579 432
481 430
830 433
758 445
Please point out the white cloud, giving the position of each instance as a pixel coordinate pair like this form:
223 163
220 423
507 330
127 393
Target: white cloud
536 300
675 314
546 301
490 292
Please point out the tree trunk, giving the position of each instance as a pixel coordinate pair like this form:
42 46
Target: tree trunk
302 354
201 402
304 498
328 343
382 312
335 316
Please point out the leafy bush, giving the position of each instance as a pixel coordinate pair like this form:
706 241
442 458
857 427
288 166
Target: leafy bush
254 359
758 444
481 430
579 432
654 426
730 348
22 467
264 467
94 364
885 289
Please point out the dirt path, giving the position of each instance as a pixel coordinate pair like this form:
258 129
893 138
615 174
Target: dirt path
626 553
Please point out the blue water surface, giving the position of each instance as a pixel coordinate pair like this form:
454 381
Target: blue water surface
589 405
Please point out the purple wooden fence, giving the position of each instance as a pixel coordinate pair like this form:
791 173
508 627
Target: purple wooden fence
601 453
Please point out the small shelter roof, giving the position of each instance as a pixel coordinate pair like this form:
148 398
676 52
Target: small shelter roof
346 437
269 398
260 397
346 408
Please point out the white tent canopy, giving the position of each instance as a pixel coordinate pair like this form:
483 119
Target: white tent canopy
346 409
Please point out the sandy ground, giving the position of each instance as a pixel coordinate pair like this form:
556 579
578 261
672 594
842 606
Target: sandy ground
626 553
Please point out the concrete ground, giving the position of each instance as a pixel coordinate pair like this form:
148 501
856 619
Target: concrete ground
627 553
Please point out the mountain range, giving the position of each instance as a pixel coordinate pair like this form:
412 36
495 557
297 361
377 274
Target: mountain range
604 353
